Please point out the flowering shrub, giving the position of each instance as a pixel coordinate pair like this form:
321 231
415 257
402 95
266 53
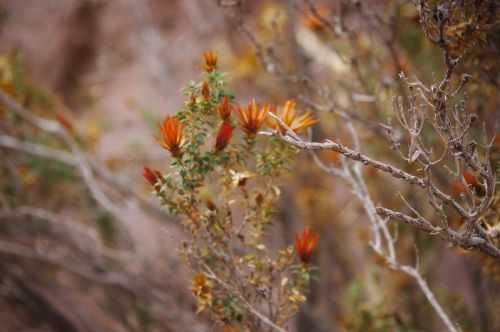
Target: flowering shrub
402 180
224 182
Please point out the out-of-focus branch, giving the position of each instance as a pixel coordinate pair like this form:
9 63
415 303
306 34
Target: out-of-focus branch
77 158
335 30
81 161
37 150
92 271
108 278
69 159
84 237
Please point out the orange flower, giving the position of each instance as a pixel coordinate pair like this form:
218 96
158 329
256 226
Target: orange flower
305 244
65 122
171 135
252 118
228 328
314 20
224 109
332 156
224 136
211 205
497 140
205 91
151 175
470 179
210 61
200 285
291 119
458 186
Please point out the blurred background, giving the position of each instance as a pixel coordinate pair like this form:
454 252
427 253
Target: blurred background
83 244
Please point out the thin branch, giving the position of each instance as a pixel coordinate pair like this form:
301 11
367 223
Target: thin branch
211 274
357 156
353 175
456 238
77 158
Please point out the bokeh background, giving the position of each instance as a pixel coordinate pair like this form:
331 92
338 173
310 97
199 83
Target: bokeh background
111 69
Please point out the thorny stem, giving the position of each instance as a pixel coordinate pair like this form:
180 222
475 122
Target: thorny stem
454 237
352 174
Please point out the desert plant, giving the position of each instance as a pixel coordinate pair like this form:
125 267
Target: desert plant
224 181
